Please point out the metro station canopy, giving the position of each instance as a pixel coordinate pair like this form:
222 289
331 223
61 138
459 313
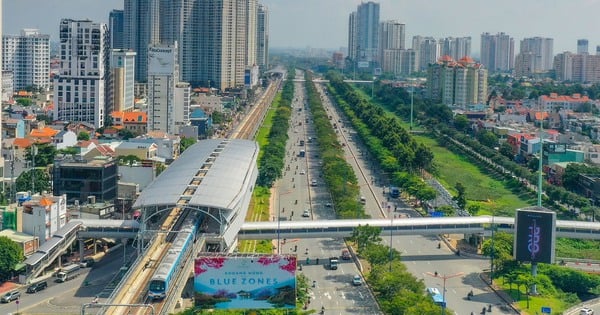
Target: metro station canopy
226 166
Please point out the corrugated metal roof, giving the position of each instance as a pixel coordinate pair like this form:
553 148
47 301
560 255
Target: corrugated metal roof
222 184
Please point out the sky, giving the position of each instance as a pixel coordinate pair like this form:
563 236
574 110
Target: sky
324 23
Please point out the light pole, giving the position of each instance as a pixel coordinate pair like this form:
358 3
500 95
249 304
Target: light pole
279 221
412 92
444 277
391 235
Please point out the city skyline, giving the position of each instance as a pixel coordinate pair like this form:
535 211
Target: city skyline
296 23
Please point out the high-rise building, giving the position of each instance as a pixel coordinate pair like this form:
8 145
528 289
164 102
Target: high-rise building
81 83
428 50
251 29
597 50
582 46
140 29
400 61
168 99
391 36
455 47
122 65
262 37
457 83
497 52
115 27
542 50
1 155
583 68
363 35
28 56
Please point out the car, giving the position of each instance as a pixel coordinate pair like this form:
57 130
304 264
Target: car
328 205
356 280
88 262
586 311
306 213
302 172
346 254
10 296
36 287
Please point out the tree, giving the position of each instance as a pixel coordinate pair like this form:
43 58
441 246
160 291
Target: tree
10 255
487 138
507 150
473 209
42 181
461 122
365 235
68 151
83 136
186 142
126 134
44 118
44 156
460 198
24 101
501 248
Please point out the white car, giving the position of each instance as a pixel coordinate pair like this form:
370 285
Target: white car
306 213
586 311
302 172
356 280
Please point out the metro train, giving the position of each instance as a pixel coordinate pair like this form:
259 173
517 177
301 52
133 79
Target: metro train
166 273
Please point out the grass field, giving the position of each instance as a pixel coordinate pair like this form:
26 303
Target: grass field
489 192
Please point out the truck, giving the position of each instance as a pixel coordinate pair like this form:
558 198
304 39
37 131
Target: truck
333 263
302 153
67 273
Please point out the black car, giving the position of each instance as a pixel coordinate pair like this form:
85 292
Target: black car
37 287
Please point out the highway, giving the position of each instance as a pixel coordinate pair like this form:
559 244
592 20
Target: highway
293 195
419 253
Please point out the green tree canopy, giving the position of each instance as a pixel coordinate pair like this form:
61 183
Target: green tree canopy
10 255
366 235
186 143
42 181
44 156
460 198
24 101
83 136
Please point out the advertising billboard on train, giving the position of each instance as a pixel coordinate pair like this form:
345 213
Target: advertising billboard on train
245 282
535 235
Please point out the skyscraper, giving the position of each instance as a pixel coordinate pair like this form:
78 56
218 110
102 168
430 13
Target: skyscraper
455 47
365 27
28 56
457 83
251 28
168 99
541 50
391 36
262 37
428 50
80 86
140 29
352 33
497 52
582 46
115 27
122 65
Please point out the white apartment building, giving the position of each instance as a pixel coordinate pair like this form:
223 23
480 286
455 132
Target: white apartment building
497 51
28 56
428 50
43 215
457 83
122 64
400 61
262 37
168 99
391 36
80 86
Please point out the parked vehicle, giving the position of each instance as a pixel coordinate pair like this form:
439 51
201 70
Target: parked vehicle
37 287
10 296
586 311
67 273
346 254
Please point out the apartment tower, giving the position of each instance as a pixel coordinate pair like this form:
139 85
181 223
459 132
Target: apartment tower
497 52
27 56
262 37
80 86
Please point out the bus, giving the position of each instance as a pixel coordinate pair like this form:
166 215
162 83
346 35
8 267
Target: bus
436 296
394 192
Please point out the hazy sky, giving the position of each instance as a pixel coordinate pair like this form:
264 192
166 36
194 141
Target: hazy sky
324 23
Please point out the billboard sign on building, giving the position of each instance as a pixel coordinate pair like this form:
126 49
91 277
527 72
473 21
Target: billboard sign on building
161 60
363 64
535 235
245 282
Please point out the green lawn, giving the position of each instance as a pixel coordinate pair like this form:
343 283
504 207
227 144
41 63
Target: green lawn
481 188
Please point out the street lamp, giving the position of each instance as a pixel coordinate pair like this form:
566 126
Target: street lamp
391 235
444 277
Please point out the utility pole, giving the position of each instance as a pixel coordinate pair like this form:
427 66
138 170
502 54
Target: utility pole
444 277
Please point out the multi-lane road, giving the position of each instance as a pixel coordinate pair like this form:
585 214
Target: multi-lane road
421 254
301 195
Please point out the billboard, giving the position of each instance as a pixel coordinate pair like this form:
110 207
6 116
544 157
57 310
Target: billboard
161 60
363 64
245 282
535 235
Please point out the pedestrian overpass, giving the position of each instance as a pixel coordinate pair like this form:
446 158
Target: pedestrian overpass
406 226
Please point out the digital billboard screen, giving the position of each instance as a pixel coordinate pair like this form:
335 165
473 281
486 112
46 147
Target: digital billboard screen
243 282
161 60
535 235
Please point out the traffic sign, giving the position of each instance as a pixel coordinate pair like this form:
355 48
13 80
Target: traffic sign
546 310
